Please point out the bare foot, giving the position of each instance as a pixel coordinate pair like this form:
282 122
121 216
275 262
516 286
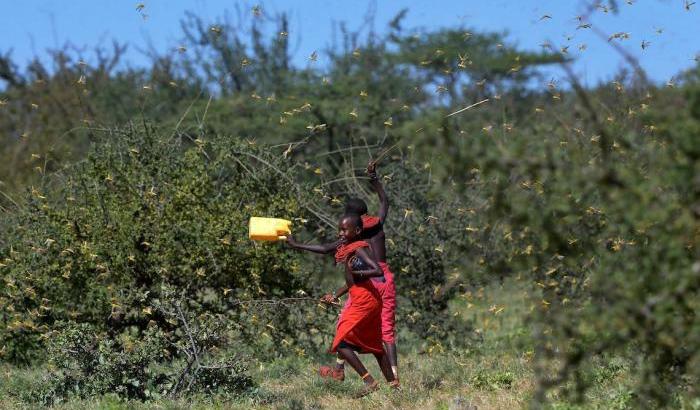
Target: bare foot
367 389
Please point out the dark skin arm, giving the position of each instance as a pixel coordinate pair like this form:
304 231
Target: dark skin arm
325 248
379 189
358 275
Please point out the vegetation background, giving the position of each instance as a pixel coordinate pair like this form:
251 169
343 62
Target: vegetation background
544 241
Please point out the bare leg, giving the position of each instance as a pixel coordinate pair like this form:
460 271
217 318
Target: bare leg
383 362
355 363
340 363
390 349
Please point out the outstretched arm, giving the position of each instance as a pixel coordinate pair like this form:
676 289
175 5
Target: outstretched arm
379 189
325 248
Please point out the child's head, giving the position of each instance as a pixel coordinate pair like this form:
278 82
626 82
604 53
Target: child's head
350 227
355 206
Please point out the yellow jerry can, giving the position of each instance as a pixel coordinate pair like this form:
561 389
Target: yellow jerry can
268 229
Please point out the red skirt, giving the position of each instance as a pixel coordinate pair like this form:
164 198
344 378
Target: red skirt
360 324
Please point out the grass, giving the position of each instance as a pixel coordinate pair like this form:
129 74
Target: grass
494 373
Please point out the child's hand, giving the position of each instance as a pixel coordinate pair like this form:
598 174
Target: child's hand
372 170
328 299
291 241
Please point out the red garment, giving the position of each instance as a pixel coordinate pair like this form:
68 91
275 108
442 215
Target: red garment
369 221
387 292
347 249
360 323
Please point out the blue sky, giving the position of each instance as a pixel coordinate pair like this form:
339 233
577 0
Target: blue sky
30 27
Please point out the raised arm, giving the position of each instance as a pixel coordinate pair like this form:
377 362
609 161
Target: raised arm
324 248
379 189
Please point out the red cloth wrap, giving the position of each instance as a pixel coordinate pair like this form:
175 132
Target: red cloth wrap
387 291
360 324
369 221
343 251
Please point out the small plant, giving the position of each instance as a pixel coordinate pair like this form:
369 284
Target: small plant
492 380
85 363
184 360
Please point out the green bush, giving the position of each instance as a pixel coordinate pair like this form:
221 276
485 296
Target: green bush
88 364
145 211
84 363
133 267
606 229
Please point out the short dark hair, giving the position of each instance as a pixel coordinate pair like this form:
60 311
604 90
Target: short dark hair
355 206
355 219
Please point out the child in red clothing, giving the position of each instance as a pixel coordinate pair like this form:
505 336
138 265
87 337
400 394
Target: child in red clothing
359 326
373 233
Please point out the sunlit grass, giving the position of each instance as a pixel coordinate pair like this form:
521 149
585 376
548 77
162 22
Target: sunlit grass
493 373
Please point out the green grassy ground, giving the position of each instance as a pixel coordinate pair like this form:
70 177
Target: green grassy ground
495 373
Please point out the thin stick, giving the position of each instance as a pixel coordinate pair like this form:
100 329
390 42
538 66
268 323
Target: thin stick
177 126
293 144
332 181
369 152
353 176
339 150
282 301
9 198
386 151
318 213
204 117
466 108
